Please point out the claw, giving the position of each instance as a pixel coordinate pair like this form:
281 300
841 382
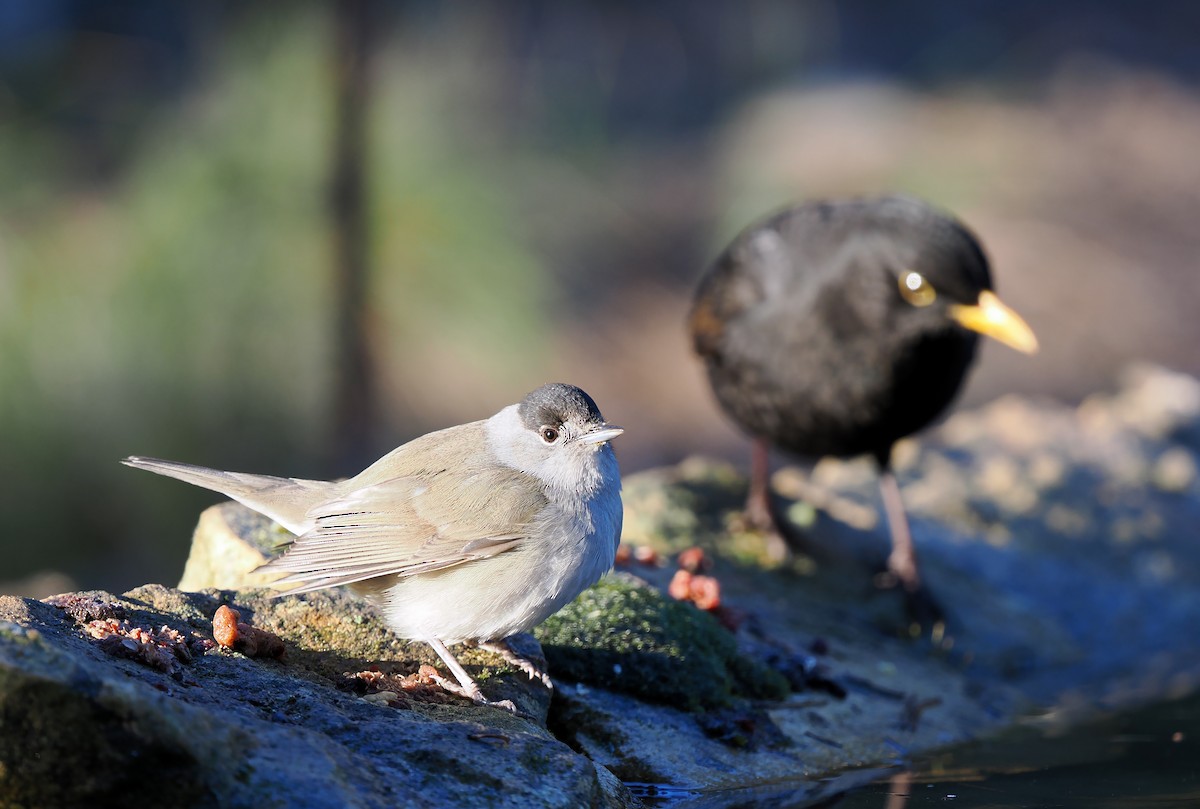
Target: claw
506 651
475 695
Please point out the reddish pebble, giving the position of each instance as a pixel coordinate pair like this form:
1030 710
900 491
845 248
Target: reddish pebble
694 560
681 585
225 626
705 592
249 640
646 555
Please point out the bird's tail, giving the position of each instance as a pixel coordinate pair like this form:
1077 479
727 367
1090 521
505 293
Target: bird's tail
285 500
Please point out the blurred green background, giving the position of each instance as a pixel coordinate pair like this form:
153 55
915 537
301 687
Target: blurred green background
543 184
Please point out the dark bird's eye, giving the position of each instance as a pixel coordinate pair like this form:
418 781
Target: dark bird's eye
915 289
549 435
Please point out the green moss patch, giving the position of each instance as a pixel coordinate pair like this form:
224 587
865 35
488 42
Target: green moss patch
625 636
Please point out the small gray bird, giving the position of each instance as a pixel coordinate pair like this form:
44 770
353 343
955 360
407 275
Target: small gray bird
472 533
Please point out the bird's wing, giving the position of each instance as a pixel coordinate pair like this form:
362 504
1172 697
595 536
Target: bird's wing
756 267
409 525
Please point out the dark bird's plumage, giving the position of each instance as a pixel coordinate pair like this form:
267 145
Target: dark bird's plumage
838 328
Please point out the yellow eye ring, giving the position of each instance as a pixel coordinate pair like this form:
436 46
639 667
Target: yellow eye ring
915 289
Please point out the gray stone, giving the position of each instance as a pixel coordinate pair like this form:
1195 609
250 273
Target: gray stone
1060 540
80 725
230 541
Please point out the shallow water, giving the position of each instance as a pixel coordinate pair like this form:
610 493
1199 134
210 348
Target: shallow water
1146 758
1150 757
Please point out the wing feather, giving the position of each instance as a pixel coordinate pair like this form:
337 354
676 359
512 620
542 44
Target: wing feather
408 525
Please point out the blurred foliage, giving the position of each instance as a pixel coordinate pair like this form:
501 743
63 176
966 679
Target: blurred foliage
179 300
546 182
180 308
455 278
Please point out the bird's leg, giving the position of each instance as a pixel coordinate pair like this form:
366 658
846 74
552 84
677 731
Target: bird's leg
466 686
902 561
761 512
902 567
503 648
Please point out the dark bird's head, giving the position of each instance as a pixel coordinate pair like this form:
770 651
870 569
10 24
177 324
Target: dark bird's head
865 268
939 267
925 268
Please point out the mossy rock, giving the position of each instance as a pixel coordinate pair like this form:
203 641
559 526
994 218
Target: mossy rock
84 725
697 503
623 635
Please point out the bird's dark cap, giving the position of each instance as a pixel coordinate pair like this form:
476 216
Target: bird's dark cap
556 403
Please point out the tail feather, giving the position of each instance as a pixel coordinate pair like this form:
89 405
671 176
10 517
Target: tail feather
285 500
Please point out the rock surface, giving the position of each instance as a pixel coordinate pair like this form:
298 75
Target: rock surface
85 723
1061 541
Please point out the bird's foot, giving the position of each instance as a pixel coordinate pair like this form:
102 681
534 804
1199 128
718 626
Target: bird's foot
921 607
923 610
759 514
507 705
473 693
465 686
902 569
783 539
506 651
470 692
764 515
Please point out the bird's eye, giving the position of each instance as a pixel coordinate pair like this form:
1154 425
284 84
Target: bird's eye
915 289
549 434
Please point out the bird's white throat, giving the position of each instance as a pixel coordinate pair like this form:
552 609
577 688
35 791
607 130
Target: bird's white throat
571 474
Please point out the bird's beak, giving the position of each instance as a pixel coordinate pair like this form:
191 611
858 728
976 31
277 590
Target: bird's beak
992 318
601 434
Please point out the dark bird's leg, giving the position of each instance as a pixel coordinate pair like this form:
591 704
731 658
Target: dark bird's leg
902 561
902 566
762 513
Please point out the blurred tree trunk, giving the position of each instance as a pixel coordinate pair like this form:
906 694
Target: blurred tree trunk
354 410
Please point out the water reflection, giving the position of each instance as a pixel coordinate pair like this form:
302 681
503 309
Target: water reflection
899 790
1150 757
1146 758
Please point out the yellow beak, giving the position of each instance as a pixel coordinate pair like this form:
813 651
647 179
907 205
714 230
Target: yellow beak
993 319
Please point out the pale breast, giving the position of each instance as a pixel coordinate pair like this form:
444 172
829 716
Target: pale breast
515 591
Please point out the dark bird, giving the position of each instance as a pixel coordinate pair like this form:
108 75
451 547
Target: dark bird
840 327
